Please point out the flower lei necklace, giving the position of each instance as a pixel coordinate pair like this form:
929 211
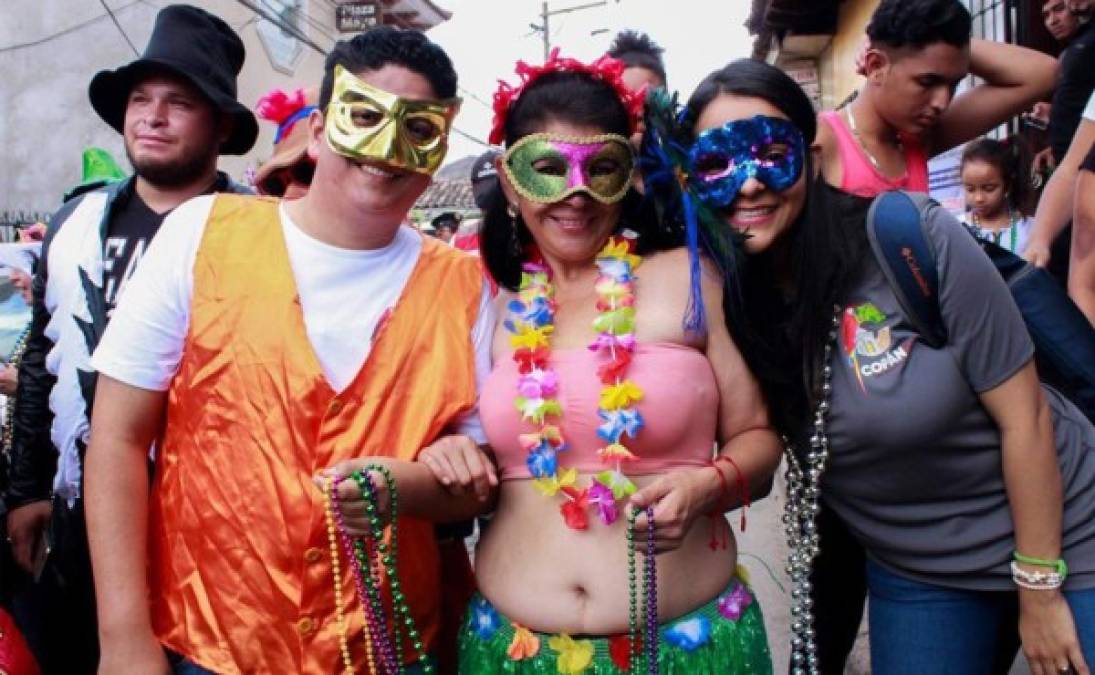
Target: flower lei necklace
531 322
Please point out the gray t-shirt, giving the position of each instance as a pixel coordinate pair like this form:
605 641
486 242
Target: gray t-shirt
915 468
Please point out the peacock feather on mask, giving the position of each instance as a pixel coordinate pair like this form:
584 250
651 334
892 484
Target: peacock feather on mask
663 161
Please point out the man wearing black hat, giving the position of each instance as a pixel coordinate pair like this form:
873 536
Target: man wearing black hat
176 109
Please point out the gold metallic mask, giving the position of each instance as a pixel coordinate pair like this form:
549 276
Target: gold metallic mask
364 122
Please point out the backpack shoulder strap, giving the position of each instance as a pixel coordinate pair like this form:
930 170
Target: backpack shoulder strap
895 228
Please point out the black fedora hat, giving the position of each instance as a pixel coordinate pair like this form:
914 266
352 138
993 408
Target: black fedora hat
192 44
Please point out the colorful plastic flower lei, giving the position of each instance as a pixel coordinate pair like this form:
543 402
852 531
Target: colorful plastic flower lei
525 644
733 604
485 619
531 322
574 656
606 68
689 634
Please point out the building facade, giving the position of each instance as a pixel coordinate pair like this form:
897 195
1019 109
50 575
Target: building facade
817 44
818 41
50 49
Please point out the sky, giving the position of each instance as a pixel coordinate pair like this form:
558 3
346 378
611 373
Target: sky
485 38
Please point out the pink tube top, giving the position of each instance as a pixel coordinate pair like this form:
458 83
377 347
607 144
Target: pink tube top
679 405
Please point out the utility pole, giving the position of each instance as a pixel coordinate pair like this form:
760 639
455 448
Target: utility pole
545 18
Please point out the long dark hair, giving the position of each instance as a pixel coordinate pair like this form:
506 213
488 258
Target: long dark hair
1012 160
788 292
578 99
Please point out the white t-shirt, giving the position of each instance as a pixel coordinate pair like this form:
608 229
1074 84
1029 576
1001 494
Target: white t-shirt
343 293
1089 109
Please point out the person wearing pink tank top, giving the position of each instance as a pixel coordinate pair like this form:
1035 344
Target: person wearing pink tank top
906 112
859 174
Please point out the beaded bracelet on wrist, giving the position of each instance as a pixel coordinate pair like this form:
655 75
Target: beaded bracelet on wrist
1058 565
1035 580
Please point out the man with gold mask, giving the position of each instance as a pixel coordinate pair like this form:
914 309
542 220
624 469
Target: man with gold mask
283 343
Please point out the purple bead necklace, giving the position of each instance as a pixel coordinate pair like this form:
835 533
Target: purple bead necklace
377 636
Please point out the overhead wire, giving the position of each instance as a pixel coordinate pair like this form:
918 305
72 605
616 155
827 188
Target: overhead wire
245 24
311 21
295 10
274 19
66 31
260 12
117 25
460 132
471 94
471 138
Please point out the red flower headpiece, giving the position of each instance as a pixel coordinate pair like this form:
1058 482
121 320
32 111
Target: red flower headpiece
284 110
277 106
606 69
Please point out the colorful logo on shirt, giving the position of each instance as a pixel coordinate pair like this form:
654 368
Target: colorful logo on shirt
868 344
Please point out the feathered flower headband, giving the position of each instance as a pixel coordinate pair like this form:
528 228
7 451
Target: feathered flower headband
606 69
284 110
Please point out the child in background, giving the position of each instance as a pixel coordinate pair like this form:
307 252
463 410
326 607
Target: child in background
996 193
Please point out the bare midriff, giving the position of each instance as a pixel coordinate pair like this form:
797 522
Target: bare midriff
549 578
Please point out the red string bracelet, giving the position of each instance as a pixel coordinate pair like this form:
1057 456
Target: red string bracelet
722 481
743 486
713 544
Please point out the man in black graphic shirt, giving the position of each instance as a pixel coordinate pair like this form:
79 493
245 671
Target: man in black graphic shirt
127 238
176 109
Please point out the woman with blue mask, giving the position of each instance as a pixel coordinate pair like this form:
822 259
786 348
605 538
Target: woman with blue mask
950 465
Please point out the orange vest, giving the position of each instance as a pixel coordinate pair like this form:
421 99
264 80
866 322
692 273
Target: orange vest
240 565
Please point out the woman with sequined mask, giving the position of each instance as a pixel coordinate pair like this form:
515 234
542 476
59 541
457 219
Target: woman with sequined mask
620 439
945 463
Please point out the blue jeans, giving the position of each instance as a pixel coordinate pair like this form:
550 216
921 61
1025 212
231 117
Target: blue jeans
923 629
188 667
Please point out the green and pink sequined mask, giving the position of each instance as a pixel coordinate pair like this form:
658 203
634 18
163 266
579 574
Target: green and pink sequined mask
548 168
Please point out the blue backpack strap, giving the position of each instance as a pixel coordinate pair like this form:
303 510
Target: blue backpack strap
895 230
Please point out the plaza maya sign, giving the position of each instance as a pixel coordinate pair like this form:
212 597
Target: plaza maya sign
355 17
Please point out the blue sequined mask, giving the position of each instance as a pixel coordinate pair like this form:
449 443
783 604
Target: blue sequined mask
721 159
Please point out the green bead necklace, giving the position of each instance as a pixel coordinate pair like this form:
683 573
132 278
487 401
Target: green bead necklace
649 644
372 553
